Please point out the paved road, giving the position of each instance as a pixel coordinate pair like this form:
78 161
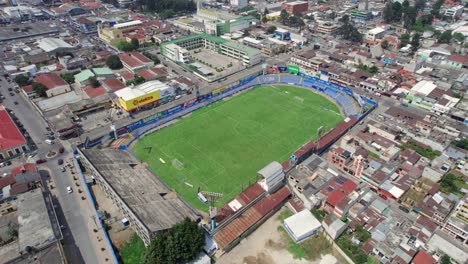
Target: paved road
72 218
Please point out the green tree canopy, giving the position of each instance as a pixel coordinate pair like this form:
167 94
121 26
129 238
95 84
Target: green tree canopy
445 37
271 29
415 42
445 260
39 89
113 62
284 17
124 46
22 80
459 37
266 12
93 82
348 31
387 12
404 40
69 77
135 43
179 245
152 57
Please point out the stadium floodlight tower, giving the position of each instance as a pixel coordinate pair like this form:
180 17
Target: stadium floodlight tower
212 197
319 135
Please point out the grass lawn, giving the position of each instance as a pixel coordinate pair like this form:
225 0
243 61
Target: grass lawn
221 147
132 252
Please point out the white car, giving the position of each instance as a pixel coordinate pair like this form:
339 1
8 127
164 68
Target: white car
48 141
69 189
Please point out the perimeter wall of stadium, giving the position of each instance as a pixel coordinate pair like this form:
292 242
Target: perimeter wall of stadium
354 107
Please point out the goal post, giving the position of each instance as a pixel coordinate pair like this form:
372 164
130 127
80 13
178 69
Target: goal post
177 164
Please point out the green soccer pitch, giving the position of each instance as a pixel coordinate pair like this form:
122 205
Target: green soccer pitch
220 148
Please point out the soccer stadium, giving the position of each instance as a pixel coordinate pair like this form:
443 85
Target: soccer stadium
221 146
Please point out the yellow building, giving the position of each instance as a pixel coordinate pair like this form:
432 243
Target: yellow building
114 34
135 97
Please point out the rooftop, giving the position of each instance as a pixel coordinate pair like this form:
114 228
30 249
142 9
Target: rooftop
50 80
10 136
302 223
130 93
35 226
51 44
152 202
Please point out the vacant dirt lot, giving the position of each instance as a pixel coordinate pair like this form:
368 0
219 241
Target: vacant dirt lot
265 246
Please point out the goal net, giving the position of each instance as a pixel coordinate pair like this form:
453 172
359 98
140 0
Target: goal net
177 164
300 99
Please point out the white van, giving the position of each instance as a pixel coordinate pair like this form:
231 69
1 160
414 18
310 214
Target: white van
48 141
69 189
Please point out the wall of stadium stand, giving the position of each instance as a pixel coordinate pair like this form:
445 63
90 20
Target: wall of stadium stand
350 104
344 97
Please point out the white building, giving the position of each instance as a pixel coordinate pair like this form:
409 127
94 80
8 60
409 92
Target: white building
375 34
239 3
454 12
302 226
53 45
272 176
177 53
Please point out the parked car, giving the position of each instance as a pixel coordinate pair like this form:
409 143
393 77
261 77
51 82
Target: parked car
48 141
16 103
12 94
60 162
61 150
40 161
69 189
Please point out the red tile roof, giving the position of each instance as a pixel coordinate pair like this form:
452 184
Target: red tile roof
335 197
114 84
247 219
10 136
243 198
349 186
140 56
136 36
7 181
83 20
19 188
94 92
147 75
27 88
458 58
27 167
50 80
423 258
128 76
128 60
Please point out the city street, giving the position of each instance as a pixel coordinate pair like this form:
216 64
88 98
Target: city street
71 215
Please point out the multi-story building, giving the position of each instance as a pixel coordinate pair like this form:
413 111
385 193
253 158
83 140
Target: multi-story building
178 50
327 28
148 205
306 60
457 223
114 33
295 7
454 12
239 3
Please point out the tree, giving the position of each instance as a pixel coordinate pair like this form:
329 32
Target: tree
93 82
152 57
135 81
264 19
348 31
445 37
445 260
284 16
384 44
397 11
436 8
271 29
419 4
124 46
415 42
69 77
113 62
404 40
387 12
266 12
179 245
135 43
459 37
22 80
39 89
409 17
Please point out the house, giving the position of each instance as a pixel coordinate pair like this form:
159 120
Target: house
82 77
375 34
134 61
84 25
12 142
388 58
103 73
302 226
142 39
423 258
333 226
112 84
54 84
457 61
